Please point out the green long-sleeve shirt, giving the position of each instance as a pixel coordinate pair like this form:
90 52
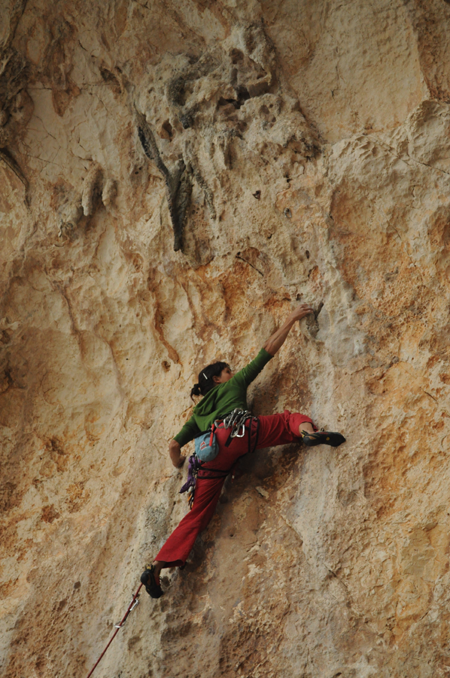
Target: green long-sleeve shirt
222 399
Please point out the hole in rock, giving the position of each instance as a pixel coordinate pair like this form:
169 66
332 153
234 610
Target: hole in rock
165 365
193 58
110 79
187 120
307 254
62 604
257 89
166 131
243 95
225 102
236 56
319 308
250 43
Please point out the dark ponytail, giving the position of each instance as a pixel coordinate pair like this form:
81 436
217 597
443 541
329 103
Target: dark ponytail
205 378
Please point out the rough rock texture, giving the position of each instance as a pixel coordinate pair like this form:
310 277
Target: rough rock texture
306 147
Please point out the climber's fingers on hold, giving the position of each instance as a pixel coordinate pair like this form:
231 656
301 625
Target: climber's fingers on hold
301 311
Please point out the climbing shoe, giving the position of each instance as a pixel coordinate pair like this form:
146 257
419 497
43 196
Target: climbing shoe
322 438
149 580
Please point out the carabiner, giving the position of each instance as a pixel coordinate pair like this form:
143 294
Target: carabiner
241 433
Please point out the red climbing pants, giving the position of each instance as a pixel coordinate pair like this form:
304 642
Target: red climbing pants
275 429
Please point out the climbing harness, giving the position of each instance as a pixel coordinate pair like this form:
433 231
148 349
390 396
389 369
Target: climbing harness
206 445
131 606
237 422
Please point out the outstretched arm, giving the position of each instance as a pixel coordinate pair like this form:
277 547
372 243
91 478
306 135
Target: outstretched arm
276 341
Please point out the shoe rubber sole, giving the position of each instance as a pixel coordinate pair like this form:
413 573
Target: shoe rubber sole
323 438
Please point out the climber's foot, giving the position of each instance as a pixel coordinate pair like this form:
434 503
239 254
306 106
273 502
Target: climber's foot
323 438
150 579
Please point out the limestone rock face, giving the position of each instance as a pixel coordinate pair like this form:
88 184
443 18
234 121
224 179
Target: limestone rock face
175 177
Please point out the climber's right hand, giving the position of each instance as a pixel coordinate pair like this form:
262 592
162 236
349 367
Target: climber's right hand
300 312
175 454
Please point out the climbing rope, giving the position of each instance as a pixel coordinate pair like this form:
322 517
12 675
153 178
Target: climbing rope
131 606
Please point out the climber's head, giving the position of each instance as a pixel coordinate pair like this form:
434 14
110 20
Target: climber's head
210 376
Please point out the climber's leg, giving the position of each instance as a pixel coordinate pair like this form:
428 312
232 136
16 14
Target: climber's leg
158 565
323 438
177 547
306 426
279 429
207 492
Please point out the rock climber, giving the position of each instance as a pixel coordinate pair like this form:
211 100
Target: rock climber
222 394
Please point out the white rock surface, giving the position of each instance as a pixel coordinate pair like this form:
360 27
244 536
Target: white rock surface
315 141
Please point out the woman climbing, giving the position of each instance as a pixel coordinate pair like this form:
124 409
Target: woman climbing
224 393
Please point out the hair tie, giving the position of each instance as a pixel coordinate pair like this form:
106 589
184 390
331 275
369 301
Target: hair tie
204 375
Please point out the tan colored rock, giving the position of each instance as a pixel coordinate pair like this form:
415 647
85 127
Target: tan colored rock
314 140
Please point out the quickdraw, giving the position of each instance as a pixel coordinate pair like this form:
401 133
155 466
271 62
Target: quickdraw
236 420
131 606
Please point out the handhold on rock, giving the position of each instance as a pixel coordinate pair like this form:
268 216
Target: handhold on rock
109 192
92 187
178 182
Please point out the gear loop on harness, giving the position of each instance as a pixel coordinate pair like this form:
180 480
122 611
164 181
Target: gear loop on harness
236 421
